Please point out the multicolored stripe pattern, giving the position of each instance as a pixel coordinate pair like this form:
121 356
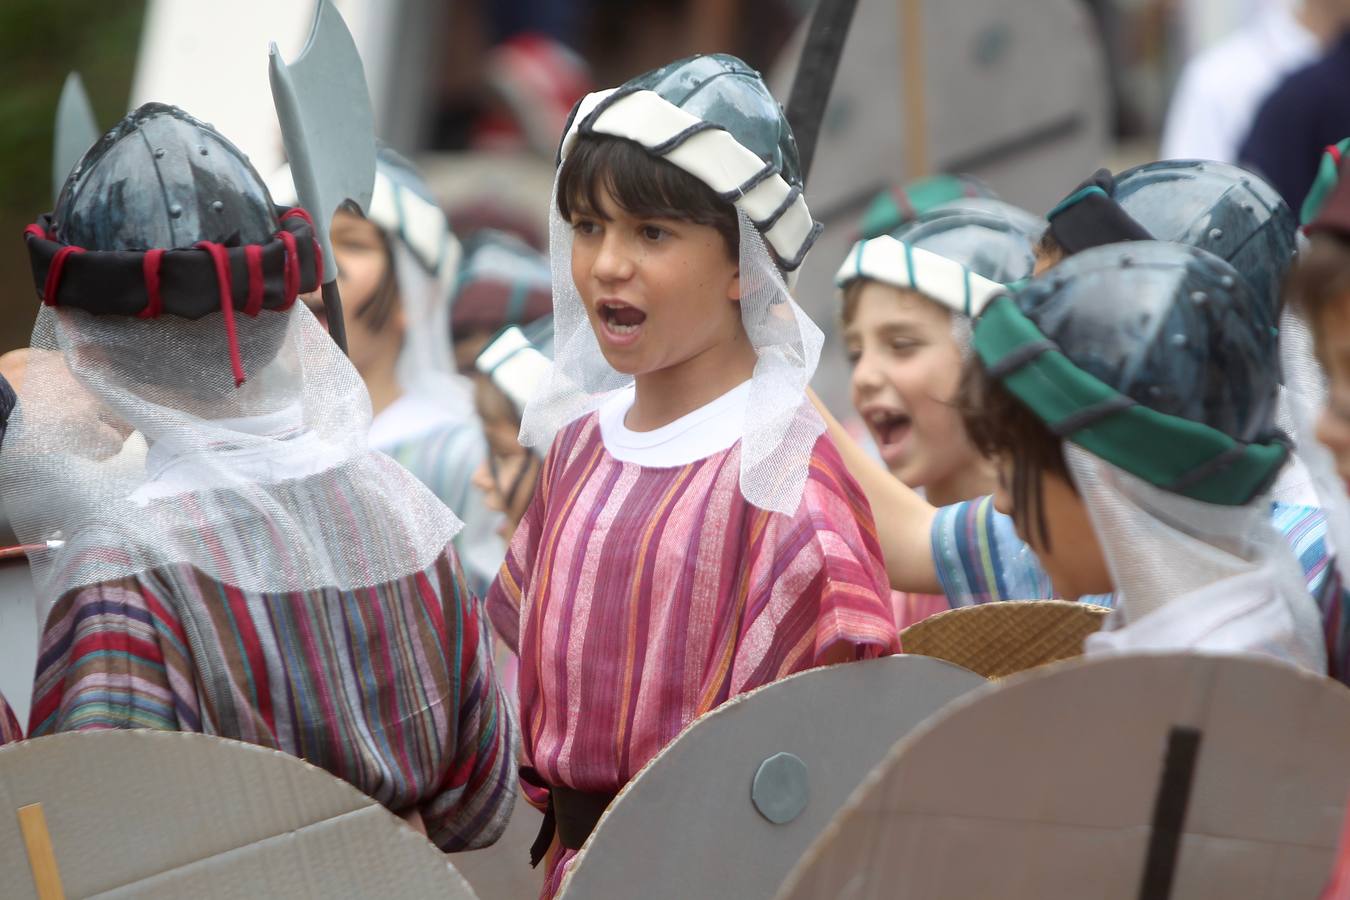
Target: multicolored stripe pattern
640 598
980 559
444 460
389 687
9 724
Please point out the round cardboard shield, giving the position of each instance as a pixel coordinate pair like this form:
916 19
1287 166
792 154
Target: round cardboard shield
729 806
1012 93
166 815
997 639
1183 776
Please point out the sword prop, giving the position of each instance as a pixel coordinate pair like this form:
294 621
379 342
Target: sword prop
815 75
328 128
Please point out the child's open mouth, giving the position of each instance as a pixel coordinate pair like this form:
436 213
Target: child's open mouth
889 429
621 321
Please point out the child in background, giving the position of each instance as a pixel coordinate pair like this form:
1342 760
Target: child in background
907 305
693 536
511 367
396 265
502 281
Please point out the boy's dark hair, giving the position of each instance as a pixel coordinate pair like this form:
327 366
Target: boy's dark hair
1320 276
1048 247
1000 425
642 185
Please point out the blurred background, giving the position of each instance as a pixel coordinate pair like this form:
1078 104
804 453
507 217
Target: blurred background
1028 95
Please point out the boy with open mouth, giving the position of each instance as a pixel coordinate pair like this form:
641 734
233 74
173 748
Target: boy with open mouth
693 535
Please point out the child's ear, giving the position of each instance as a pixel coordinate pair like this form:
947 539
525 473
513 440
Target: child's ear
734 288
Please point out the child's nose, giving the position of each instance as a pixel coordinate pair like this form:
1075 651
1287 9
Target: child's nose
866 374
614 261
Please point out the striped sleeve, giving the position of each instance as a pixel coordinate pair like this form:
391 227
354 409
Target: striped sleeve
818 583
477 794
1305 528
980 559
101 665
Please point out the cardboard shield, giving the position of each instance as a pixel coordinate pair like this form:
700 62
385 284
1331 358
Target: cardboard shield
1012 93
160 814
729 806
1183 776
997 639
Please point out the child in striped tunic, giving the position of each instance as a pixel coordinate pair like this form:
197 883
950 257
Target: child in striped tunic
693 535
232 557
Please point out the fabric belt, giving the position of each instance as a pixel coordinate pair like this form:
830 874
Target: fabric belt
571 815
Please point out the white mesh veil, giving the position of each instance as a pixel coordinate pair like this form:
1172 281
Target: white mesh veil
1162 546
133 445
780 428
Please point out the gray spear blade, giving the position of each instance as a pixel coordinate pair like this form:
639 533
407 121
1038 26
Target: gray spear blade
328 128
76 131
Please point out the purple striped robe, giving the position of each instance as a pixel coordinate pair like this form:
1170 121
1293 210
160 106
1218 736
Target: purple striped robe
390 687
639 598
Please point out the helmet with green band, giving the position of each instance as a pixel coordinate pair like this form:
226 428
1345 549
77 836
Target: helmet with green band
1152 357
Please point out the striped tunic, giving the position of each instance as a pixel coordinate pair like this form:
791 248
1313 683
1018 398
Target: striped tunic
389 687
639 598
9 724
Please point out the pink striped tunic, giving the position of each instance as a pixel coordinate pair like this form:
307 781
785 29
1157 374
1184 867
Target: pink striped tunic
639 598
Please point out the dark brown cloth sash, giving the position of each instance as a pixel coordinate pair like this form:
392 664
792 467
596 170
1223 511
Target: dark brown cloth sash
570 814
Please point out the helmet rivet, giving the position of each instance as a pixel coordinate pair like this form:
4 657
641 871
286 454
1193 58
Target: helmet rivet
1178 340
217 206
1199 298
202 150
1227 281
175 210
159 153
1215 234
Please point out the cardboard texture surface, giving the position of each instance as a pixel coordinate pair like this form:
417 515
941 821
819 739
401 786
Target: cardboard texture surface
159 814
1044 786
999 639
686 827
